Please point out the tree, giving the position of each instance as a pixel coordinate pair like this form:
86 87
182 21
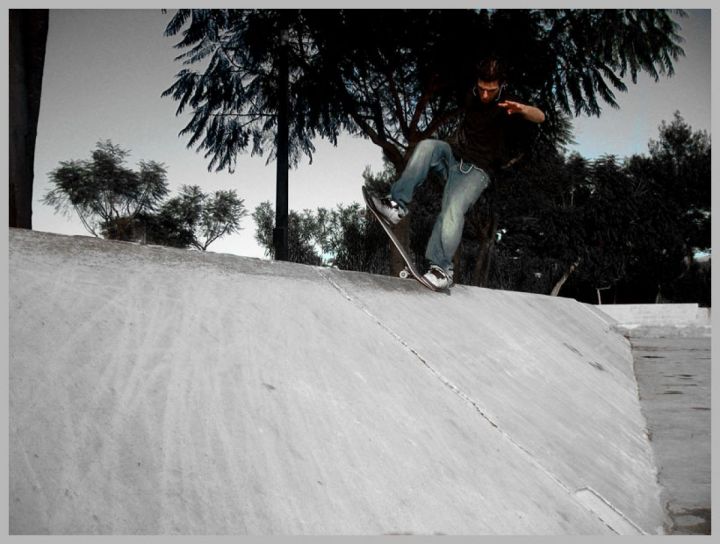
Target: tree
305 235
609 229
540 240
356 241
345 237
400 76
610 223
681 161
121 204
195 219
28 39
675 216
107 196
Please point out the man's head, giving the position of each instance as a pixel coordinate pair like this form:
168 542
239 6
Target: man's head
489 80
487 91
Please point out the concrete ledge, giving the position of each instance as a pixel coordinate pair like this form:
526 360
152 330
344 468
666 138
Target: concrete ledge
679 331
657 314
658 320
160 391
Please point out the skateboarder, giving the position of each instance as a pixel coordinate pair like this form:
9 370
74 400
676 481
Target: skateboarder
466 162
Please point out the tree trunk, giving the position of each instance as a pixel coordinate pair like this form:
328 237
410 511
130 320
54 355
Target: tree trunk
280 234
487 234
599 293
556 290
27 42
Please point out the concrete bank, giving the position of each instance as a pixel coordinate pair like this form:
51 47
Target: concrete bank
161 391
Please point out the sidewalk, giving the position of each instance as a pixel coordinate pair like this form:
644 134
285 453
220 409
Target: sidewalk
673 376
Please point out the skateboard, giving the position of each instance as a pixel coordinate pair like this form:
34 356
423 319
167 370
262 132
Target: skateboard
409 271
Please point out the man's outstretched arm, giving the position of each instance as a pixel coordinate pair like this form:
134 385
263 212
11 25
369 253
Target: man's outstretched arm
531 113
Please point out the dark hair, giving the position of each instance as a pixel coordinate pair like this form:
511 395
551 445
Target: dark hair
490 69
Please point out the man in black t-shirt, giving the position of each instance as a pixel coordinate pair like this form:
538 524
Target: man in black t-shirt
466 162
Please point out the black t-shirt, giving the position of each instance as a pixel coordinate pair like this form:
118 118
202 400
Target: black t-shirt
488 136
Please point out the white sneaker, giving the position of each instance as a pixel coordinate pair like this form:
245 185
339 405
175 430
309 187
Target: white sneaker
438 277
389 209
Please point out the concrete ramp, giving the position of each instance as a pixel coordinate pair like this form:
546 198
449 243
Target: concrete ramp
162 391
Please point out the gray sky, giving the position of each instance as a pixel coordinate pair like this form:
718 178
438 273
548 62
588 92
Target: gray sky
105 71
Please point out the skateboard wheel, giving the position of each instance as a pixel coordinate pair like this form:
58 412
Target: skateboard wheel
404 274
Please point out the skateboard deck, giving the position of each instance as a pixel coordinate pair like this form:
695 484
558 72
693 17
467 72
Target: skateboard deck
410 270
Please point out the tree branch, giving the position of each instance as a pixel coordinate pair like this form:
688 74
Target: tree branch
437 122
391 152
399 110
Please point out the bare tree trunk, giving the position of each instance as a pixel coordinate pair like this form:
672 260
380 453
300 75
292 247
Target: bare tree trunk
28 39
599 293
556 290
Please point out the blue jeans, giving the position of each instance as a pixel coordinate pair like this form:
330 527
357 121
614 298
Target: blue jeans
464 183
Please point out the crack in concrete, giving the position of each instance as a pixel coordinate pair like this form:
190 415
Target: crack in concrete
409 348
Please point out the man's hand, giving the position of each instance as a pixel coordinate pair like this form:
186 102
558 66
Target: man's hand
512 107
531 113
